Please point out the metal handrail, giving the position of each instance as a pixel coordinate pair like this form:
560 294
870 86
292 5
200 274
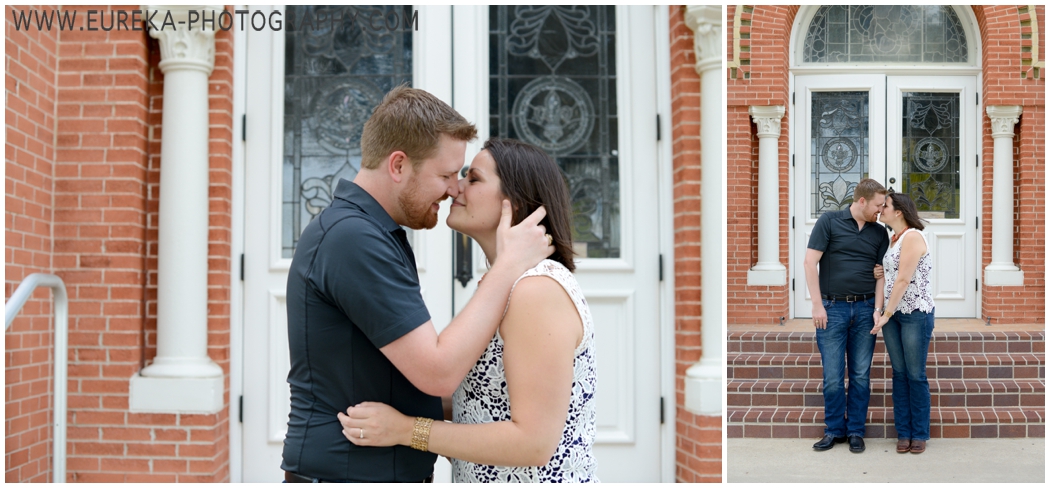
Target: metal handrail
11 309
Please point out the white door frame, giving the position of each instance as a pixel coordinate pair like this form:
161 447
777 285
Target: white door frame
240 64
461 95
665 192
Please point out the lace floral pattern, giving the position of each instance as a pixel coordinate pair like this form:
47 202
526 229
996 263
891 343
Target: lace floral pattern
483 397
919 294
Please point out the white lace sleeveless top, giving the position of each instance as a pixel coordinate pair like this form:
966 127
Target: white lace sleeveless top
483 397
919 294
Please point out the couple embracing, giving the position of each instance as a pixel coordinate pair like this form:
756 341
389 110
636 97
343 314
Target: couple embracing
869 282
368 368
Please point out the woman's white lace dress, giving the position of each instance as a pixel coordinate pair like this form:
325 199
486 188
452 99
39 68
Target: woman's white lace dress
919 293
483 398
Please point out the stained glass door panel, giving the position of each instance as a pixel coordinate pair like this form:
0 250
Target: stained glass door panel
839 142
335 74
553 84
930 153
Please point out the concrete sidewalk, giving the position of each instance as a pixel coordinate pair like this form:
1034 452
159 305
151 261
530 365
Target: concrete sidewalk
945 460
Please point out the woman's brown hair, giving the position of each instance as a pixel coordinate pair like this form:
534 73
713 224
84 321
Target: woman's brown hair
530 178
903 203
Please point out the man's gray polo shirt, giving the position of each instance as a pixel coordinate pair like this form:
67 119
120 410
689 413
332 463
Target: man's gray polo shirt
850 254
352 289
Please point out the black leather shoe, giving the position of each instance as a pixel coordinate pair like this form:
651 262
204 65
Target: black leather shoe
827 443
856 443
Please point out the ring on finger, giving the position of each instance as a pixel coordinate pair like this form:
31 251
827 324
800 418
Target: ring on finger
362 436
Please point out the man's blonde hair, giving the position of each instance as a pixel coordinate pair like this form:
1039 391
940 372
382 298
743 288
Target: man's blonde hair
867 188
412 121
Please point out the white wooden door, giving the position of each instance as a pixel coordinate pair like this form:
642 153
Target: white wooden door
921 140
622 291
839 140
266 257
932 157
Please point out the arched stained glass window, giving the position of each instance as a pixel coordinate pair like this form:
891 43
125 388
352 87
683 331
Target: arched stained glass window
909 34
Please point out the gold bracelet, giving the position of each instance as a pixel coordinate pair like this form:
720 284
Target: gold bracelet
421 433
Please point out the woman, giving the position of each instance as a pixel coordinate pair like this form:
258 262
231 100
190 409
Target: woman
907 321
525 412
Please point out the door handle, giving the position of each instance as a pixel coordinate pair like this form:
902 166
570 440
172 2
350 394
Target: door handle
893 180
461 250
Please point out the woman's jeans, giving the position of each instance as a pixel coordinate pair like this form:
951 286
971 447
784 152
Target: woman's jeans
907 337
846 343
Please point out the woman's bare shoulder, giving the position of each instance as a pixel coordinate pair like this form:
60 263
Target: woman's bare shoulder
538 303
913 241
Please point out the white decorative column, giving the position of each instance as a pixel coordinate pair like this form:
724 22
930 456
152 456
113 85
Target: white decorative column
182 378
768 271
703 382
1002 271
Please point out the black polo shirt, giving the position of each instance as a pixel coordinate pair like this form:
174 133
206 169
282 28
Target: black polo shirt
352 289
850 254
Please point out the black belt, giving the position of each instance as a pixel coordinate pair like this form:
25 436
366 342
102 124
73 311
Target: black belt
291 477
848 298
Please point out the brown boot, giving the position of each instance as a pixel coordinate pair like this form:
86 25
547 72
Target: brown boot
918 447
903 445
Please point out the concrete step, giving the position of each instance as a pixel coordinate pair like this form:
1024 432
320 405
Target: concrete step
943 393
958 422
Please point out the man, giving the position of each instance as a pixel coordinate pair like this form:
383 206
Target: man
358 329
847 301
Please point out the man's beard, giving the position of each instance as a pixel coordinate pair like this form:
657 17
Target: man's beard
417 214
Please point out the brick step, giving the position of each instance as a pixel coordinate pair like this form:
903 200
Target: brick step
770 366
942 342
943 393
957 422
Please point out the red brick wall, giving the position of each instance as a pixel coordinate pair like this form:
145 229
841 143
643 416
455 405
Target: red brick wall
764 33
103 125
699 438
100 224
29 155
1005 83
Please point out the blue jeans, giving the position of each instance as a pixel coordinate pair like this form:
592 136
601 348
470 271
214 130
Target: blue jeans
907 337
846 343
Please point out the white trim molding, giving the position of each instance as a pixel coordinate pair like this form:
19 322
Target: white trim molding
768 271
1002 271
703 382
182 378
